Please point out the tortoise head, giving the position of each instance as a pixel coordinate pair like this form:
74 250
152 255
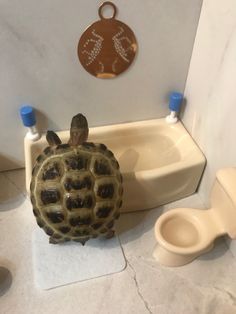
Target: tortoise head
78 130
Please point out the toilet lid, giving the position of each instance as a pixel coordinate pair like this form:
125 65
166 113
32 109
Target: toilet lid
227 179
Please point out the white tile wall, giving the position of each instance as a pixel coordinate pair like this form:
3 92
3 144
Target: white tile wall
210 113
39 65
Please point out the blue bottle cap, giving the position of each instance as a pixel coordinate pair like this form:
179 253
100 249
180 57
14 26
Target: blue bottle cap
27 116
175 101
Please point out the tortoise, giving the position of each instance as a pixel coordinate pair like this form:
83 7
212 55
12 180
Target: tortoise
76 188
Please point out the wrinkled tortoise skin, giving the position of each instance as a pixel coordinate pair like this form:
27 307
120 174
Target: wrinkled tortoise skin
76 192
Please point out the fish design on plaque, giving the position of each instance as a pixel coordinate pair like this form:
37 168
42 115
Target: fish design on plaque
107 47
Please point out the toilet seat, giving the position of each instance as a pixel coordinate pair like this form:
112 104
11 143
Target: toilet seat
185 233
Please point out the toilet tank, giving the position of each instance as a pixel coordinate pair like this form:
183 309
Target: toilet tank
223 200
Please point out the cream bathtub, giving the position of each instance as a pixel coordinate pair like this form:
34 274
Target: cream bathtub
160 163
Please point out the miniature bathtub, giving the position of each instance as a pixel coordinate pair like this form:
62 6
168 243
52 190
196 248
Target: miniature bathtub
160 163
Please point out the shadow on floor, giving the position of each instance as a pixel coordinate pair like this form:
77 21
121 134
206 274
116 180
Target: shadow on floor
220 249
10 196
136 224
5 280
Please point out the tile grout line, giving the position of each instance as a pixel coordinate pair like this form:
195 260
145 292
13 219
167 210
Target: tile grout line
222 291
15 185
138 289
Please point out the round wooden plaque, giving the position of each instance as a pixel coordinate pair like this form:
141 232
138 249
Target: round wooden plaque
107 47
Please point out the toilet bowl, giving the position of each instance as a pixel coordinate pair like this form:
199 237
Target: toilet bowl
185 233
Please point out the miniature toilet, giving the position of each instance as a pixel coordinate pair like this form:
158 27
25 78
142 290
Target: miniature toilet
185 233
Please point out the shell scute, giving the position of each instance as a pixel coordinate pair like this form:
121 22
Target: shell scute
55 216
64 229
77 162
97 225
48 150
78 183
80 221
102 167
104 211
106 191
49 231
74 203
50 196
51 172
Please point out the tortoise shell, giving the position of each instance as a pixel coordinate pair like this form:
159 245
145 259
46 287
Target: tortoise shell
76 192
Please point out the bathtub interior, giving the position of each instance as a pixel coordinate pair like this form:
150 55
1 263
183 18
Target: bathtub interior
159 162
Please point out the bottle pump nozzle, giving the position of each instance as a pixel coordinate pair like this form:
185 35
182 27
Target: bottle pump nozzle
175 102
29 121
